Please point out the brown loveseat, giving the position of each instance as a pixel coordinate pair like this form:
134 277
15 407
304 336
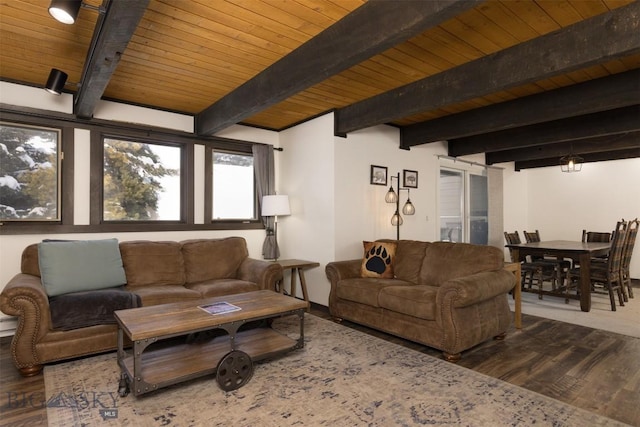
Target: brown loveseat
450 296
156 273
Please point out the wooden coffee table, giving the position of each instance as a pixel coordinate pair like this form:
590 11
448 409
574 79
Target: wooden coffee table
229 356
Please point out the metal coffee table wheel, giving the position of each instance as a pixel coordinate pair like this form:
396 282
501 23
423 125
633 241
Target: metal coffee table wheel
234 370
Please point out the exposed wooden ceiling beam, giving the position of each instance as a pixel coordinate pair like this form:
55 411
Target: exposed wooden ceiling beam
610 122
601 38
592 96
583 146
588 158
370 29
111 35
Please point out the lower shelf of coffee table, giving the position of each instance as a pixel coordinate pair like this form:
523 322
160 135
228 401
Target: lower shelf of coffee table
183 361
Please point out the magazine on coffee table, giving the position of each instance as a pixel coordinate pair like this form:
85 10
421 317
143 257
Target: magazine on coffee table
219 308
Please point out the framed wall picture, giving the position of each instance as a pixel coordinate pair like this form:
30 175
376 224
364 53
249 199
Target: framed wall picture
409 178
378 175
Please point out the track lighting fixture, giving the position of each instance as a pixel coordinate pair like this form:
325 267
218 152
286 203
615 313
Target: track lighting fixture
56 81
66 11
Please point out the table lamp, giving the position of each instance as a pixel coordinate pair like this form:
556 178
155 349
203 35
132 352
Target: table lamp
275 205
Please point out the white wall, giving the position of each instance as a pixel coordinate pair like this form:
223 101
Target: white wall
307 176
561 205
361 212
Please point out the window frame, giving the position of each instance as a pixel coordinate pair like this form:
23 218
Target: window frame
256 222
97 165
65 175
59 157
68 123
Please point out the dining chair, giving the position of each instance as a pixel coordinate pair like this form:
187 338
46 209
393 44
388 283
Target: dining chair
607 274
532 273
629 243
595 236
560 266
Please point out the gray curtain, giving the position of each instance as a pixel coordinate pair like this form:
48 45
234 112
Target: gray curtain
265 182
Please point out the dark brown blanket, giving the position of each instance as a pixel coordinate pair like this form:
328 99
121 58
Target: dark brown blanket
82 309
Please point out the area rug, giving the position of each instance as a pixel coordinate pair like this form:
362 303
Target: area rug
341 377
625 320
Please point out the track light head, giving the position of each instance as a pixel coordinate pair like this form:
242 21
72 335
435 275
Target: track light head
56 81
65 11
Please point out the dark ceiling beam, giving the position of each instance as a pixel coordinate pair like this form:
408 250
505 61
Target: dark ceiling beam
370 29
557 150
606 93
610 122
596 40
630 153
111 35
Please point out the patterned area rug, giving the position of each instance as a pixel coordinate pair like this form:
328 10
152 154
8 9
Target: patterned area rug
342 377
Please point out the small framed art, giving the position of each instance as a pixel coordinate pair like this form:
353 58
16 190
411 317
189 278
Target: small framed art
378 175
409 178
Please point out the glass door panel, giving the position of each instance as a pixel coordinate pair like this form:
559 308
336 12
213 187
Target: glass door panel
451 205
478 210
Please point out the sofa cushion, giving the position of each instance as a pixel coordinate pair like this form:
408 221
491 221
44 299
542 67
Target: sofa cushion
365 290
408 261
208 259
378 259
221 287
80 265
445 261
413 300
164 294
152 263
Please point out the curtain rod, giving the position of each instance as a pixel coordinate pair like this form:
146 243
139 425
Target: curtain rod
455 159
278 149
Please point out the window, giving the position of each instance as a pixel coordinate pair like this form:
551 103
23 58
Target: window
463 206
234 193
141 181
30 158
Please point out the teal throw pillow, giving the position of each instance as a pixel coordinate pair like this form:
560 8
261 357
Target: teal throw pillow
80 265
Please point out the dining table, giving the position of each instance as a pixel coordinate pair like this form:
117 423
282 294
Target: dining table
579 252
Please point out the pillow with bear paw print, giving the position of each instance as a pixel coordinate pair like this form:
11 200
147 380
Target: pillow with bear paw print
378 259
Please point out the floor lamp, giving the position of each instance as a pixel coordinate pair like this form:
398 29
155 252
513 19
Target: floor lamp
275 205
393 197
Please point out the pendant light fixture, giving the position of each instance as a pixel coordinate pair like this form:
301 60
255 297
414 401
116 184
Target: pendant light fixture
571 162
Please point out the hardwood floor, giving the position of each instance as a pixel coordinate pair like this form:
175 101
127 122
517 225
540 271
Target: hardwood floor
592 369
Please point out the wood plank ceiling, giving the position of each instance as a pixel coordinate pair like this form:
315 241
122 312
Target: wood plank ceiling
523 81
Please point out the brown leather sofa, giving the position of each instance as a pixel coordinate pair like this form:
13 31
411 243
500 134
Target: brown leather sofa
157 272
450 296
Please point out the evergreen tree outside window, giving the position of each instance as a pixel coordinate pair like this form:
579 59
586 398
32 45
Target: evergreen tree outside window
30 159
141 181
233 186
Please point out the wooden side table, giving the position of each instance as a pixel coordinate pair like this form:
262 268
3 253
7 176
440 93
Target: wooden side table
297 266
514 267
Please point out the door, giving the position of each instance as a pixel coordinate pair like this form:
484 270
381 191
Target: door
463 205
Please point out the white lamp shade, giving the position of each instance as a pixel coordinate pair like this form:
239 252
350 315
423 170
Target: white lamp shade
276 205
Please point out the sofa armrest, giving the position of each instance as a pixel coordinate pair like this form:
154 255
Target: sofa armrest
25 297
469 290
265 273
339 270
